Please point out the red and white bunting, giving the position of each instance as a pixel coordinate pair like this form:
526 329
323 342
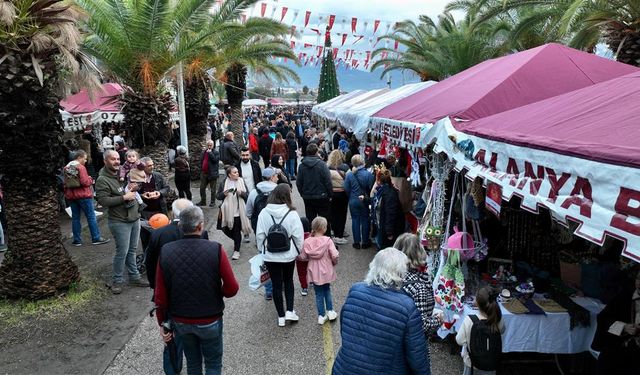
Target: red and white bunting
354 22
395 45
359 39
320 49
263 9
332 18
335 53
284 13
344 38
293 44
307 15
376 23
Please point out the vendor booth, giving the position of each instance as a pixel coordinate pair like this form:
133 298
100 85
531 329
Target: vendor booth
318 109
531 186
331 113
495 86
357 117
82 109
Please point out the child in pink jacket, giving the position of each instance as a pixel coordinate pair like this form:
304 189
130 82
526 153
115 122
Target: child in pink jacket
321 271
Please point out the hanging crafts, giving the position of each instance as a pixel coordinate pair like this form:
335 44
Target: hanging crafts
450 284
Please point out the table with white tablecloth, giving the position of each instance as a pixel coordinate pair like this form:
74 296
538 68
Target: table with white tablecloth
549 333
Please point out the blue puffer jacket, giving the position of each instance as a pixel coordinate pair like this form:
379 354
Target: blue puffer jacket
381 334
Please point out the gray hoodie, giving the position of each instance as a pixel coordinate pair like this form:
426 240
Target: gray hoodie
265 187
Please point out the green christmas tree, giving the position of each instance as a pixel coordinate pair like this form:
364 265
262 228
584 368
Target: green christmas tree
328 86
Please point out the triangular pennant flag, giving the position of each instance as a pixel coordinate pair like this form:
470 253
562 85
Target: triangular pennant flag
273 11
307 15
307 45
335 53
320 48
293 44
354 22
376 23
332 18
327 35
344 38
284 13
263 8
359 39
295 16
293 30
317 31
395 45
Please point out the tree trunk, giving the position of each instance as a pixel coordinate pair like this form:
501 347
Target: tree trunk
36 265
236 86
197 111
629 52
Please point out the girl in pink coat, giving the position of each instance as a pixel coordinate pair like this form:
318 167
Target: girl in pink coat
323 257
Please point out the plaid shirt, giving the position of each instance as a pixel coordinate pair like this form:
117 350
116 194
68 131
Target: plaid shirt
418 285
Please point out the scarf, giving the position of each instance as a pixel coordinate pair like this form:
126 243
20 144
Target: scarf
232 204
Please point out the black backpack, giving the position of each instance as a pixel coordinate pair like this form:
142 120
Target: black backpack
258 204
485 345
278 239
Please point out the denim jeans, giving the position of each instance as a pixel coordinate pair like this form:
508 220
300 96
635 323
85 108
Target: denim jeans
126 236
86 206
360 222
268 288
323 298
166 357
291 167
202 343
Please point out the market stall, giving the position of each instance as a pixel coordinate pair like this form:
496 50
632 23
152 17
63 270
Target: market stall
495 86
83 109
318 109
331 113
357 117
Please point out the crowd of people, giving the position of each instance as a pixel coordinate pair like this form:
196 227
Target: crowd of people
191 275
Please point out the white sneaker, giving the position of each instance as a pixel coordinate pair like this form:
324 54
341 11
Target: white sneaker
280 322
236 255
339 240
321 319
332 315
291 315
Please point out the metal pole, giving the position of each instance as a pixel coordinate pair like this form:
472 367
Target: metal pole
183 116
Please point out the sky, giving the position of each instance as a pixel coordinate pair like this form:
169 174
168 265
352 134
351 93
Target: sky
389 10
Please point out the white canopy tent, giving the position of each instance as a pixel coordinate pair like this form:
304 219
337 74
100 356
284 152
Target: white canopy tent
331 112
252 102
357 117
319 109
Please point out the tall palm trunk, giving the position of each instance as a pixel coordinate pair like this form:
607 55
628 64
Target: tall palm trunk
626 44
146 118
36 265
197 106
236 86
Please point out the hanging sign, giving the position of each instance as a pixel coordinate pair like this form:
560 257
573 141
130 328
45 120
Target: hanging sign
404 133
494 198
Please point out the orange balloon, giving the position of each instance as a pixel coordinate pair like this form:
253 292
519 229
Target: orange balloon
158 221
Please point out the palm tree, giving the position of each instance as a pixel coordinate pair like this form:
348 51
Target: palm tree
584 23
197 106
437 51
139 42
253 49
38 53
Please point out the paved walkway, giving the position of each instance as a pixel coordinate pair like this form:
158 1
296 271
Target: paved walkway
253 343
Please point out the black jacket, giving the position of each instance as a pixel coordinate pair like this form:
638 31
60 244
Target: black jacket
159 238
292 146
214 163
264 146
191 270
314 179
392 220
255 167
229 152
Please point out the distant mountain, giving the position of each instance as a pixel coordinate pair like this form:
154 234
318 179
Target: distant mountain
349 80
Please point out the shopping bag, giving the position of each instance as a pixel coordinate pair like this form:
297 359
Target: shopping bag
259 273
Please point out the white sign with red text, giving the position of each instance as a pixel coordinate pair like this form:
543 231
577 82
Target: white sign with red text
604 199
